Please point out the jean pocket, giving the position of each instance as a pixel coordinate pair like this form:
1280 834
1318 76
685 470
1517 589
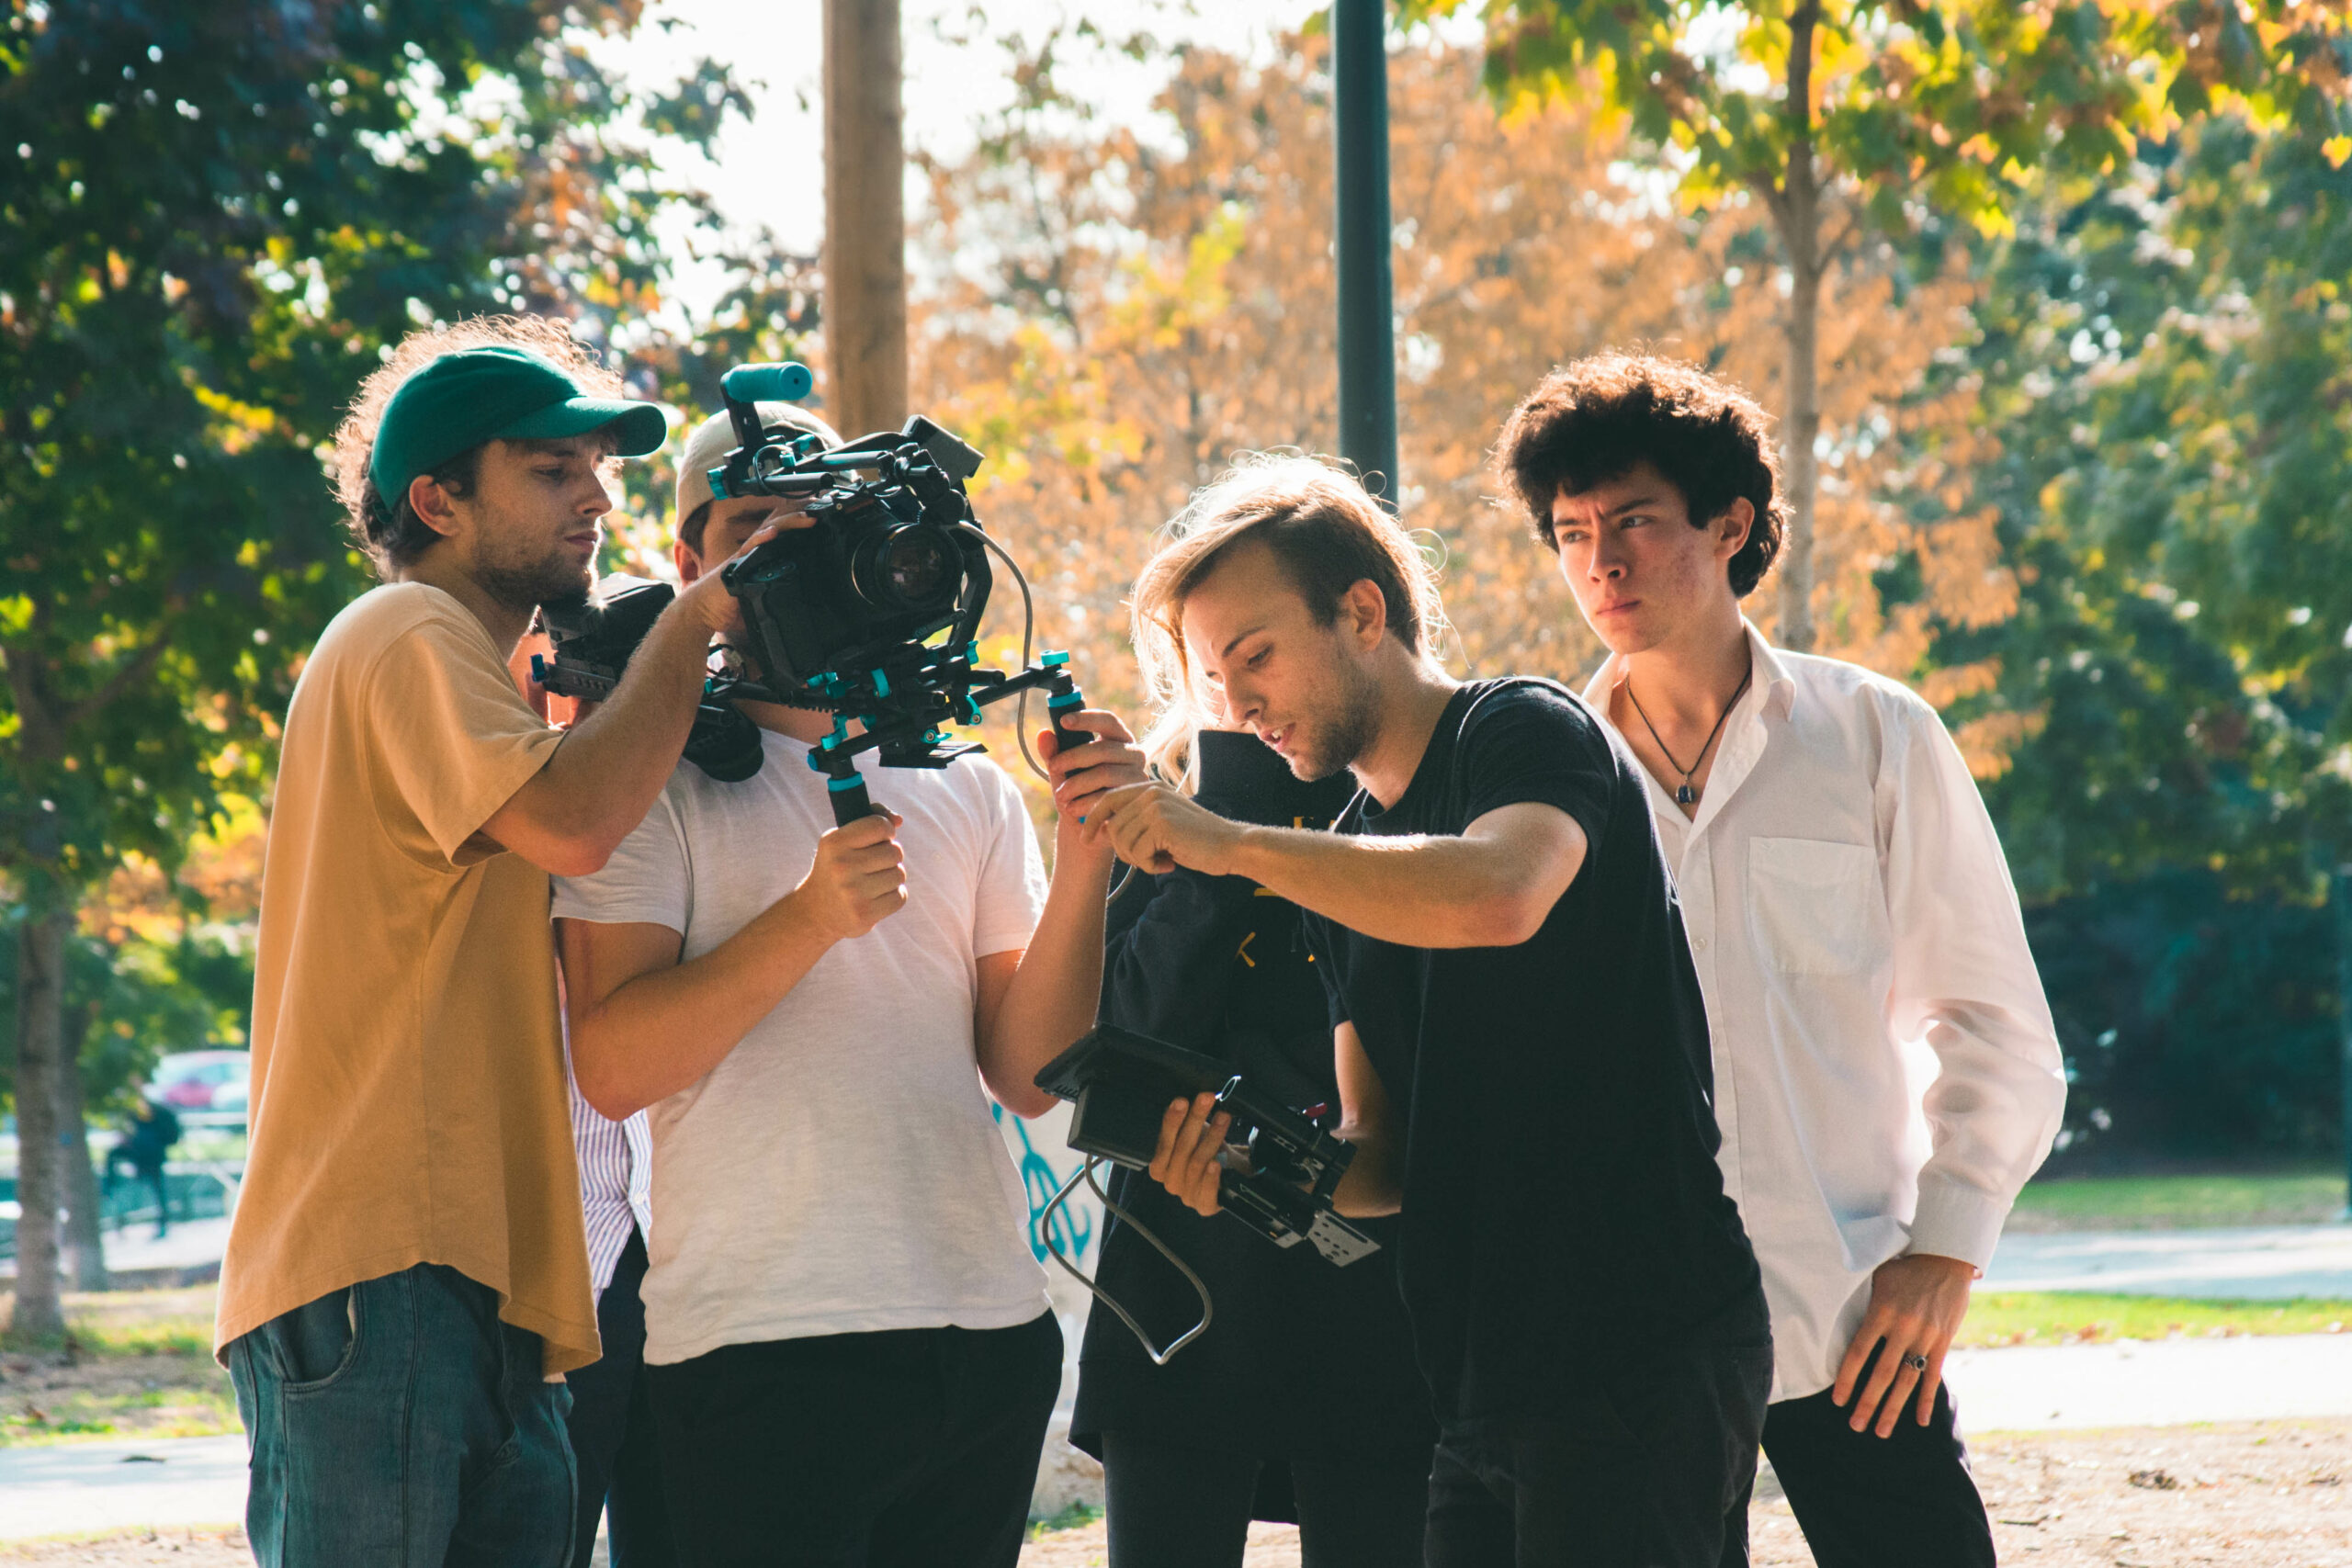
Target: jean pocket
314 1345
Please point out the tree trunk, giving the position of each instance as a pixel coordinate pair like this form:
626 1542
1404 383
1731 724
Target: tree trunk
865 217
1797 214
84 1214
41 1004
1800 468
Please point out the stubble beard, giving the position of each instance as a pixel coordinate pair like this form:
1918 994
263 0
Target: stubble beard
524 581
1340 742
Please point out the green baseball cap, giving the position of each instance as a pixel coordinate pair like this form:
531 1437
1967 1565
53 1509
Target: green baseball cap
461 399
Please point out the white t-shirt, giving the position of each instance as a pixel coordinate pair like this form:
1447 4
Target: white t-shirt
839 1171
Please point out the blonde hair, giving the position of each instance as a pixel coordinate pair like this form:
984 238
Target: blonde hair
1328 535
381 524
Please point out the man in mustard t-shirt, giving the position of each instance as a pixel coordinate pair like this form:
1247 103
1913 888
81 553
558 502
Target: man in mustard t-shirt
406 1279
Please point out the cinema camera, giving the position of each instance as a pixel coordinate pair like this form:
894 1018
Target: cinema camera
1282 1170
869 615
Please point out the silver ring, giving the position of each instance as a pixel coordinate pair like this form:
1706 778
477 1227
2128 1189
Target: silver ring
1915 1361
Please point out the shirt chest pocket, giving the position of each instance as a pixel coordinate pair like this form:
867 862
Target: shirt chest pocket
1810 903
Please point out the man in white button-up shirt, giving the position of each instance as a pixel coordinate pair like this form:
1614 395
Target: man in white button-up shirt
1886 1073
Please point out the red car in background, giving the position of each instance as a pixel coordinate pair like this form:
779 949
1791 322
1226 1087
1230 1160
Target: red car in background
202 1080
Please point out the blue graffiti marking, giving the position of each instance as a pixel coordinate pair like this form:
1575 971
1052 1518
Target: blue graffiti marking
1073 1228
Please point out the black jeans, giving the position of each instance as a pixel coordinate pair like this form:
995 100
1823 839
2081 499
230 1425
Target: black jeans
913 1447
611 1432
1174 1507
1902 1501
1652 1469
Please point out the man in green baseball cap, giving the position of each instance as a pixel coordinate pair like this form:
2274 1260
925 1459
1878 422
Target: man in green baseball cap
406 1278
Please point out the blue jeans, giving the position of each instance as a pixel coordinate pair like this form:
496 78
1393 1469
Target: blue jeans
399 1424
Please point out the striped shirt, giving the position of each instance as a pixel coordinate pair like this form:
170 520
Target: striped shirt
615 1179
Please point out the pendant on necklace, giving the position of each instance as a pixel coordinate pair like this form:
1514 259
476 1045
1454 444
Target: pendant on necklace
1686 794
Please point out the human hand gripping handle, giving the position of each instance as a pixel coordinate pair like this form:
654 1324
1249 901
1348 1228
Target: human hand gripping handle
1916 1305
859 878
1189 1160
1089 753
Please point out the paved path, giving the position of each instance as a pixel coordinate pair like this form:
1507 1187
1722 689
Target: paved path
2268 1264
2160 1382
77 1487
191 1245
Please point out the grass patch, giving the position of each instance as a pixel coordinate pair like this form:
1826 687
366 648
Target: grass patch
64 1414
2301 1196
131 1364
2069 1318
1077 1517
144 1323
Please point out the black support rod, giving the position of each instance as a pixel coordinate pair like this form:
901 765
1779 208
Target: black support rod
1367 310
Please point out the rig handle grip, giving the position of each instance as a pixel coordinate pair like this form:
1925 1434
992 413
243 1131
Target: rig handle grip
1064 737
785 383
1063 697
850 799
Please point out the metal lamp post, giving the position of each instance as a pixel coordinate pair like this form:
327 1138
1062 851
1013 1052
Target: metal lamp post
1367 308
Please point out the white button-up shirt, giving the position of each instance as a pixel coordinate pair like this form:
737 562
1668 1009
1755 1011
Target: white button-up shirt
1886 1072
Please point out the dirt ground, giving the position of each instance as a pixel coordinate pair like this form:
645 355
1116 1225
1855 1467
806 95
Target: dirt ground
2264 1495
2261 1494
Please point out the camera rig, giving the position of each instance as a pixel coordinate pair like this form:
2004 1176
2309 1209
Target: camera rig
1121 1084
870 614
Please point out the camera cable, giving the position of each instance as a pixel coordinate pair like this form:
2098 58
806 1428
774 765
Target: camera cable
1045 1234
1028 634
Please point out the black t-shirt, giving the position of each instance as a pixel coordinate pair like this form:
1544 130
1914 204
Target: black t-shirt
1563 1208
1303 1360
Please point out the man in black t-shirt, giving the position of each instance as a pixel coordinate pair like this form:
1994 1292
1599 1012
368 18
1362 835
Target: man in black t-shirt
1508 972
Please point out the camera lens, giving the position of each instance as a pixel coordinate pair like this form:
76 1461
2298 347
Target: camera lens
910 568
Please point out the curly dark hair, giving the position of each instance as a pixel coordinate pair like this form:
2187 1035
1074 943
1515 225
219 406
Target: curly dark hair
1597 419
386 526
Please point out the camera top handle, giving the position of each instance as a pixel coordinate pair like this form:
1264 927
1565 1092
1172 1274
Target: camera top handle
747 386
902 696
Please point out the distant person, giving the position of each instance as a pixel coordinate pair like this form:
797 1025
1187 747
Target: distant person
146 1147
1303 1400
1519 1039
852 1357
406 1279
1851 916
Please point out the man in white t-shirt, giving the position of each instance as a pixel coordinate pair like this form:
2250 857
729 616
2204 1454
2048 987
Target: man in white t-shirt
851 1358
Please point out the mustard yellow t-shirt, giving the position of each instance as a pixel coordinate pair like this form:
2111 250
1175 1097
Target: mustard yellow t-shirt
408 1090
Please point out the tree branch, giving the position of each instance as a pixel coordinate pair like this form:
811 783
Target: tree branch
136 669
42 737
1776 201
1834 246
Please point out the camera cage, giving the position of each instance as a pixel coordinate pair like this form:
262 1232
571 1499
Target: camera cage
1120 1084
890 670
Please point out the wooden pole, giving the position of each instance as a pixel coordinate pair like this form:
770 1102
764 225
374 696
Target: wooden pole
865 217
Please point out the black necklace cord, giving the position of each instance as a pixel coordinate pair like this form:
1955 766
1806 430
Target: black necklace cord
1687 794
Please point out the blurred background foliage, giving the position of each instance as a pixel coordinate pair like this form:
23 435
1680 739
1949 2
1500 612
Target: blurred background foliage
2083 472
